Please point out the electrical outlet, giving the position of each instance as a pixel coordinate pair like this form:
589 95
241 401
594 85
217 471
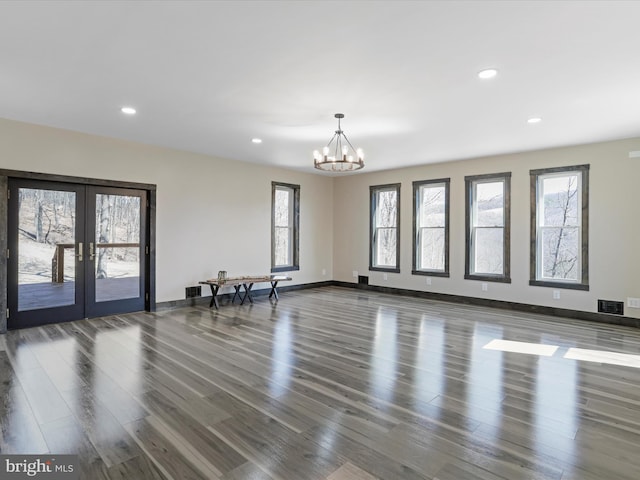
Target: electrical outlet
324 272
485 286
385 277
633 302
556 294
355 274
428 280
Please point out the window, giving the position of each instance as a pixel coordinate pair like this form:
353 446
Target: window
487 224
559 227
384 246
285 203
431 227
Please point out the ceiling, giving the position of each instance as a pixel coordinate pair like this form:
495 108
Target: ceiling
207 77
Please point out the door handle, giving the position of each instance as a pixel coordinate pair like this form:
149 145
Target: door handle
92 253
79 255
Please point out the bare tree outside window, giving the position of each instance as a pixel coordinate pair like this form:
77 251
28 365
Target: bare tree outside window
385 201
488 228
46 218
488 224
386 214
284 227
559 227
431 224
117 222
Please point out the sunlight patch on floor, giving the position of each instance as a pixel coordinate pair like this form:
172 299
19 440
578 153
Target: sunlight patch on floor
600 356
521 347
596 356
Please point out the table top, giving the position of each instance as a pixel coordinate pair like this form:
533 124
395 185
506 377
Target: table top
246 279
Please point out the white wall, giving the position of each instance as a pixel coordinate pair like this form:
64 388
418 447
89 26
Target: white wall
212 214
614 216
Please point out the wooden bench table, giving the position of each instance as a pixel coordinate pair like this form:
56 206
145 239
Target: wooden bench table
246 283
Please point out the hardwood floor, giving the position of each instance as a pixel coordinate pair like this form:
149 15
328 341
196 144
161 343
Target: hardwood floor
330 383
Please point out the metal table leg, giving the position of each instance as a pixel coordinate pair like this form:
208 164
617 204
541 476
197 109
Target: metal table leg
247 293
214 292
237 294
274 290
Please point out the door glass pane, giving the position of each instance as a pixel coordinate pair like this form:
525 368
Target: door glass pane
117 248
46 248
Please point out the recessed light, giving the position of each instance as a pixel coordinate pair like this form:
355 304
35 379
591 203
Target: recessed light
487 73
256 140
534 120
128 110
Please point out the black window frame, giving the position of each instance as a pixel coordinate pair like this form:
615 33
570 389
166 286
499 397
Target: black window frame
295 237
416 239
470 181
373 191
535 175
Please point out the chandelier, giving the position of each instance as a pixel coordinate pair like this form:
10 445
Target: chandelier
339 155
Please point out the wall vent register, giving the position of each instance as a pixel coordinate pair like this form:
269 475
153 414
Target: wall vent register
611 306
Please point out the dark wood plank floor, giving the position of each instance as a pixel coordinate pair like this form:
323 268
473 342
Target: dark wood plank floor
330 384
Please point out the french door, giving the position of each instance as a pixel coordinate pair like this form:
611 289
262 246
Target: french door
75 251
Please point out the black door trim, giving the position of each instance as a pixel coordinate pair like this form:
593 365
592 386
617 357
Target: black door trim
92 307
42 316
5 174
80 180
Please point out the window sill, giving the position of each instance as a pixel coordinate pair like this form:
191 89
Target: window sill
429 273
285 269
488 278
384 269
565 285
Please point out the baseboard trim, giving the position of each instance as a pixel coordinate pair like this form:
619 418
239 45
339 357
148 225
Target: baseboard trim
501 304
443 297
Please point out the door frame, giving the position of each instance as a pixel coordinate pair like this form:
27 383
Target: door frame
150 267
94 308
47 314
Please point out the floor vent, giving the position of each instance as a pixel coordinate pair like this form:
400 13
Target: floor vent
191 292
363 280
611 306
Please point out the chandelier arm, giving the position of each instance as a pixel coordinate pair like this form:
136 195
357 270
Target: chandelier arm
326 157
348 142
